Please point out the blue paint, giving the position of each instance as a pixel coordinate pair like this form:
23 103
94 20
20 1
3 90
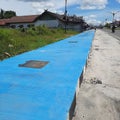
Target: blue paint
46 93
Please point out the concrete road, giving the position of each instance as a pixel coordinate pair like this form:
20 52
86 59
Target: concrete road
99 94
116 34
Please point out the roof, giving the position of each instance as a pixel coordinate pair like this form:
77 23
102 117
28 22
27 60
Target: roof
19 19
72 19
3 22
58 16
23 19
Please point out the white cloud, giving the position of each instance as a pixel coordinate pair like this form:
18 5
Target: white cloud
93 4
92 16
55 5
116 13
117 16
51 5
92 20
118 1
41 6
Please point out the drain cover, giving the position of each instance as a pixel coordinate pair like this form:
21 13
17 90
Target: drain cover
34 64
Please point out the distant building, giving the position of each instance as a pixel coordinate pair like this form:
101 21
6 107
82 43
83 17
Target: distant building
47 18
117 23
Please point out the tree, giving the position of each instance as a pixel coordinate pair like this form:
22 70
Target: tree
107 25
9 14
1 14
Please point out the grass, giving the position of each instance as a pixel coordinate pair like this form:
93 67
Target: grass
16 41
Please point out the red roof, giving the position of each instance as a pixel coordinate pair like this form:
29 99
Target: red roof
19 19
23 19
3 22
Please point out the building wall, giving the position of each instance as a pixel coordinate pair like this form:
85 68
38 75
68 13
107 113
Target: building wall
48 23
25 25
51 24
77 27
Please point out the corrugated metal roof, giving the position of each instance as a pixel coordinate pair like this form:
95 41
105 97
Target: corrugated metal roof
23 19
19 19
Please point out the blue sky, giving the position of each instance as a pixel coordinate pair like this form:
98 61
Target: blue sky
93 11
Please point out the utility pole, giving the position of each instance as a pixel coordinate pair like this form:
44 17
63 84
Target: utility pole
113 20
113 15
65 16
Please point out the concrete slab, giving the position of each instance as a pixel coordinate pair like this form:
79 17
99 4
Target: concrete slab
46 93
99 94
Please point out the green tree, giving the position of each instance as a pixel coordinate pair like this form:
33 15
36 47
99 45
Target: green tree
107 25
9 14
1 14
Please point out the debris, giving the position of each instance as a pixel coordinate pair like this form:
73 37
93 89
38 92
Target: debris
7 54
95 81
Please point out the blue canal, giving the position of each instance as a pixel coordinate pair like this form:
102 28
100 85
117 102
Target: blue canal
28 93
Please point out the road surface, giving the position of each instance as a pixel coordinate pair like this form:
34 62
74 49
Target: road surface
116 34
99 94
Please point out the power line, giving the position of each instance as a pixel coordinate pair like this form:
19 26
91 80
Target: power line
113 14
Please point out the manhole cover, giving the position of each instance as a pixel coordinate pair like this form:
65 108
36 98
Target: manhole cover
34 64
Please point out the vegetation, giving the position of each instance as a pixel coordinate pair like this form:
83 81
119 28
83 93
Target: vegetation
6 14
107 25
16 41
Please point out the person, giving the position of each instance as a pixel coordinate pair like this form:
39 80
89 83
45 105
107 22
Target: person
113 28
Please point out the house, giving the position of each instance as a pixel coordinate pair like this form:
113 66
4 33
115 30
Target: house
47 18
54 20
17 21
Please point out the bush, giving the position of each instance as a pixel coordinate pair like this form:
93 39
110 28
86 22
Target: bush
31 32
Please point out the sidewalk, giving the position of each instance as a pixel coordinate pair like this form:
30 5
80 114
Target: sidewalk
99 95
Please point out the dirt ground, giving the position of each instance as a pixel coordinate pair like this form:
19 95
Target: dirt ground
99 94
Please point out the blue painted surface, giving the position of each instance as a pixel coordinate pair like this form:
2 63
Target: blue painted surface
46 93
